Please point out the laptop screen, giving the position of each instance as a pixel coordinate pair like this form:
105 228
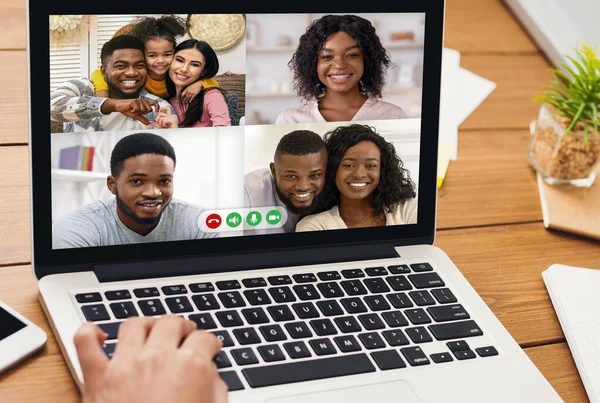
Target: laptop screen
170 128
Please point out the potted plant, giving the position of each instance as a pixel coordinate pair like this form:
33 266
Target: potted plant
565 147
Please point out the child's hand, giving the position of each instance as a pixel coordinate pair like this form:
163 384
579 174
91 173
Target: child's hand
165 119
190 92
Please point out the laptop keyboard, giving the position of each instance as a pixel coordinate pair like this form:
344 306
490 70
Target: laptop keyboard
285 329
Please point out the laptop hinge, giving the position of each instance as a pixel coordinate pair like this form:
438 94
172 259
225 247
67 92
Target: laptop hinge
243 261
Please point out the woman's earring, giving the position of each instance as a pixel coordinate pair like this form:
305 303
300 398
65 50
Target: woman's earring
361 86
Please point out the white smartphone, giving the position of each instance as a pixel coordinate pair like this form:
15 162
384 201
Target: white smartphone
19 337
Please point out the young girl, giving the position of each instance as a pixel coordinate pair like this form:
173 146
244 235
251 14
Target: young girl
158 36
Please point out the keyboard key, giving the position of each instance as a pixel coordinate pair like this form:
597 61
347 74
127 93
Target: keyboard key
354 287
426 280
322 346
395 338
400 300
201 287
146 292
282 294
298 330
232 299
415 356
179 304
117 295
273 333
323 327
228 285
458 345
417 316
399 269
304 278
330 308
306 310
246 335
353 273
205 302
376 285
225 338
257 297
111 329
441 357
123 310
371 340
376 271
347 324
109 349
399 283
229 318
353 305
371 321
422 297
254 282
329 275
306 292
389 359
222 360
174 289
486 351
418 335
152 307
377 302
456 330
244 356
297 349
447 313
308 370
271 353
255 316
203 321
88 297
419 267
444 296
280 313
394 319
347 344
330 290
464 354
232 380
279 280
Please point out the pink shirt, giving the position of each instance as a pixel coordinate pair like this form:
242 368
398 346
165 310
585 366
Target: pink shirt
214 111
372 109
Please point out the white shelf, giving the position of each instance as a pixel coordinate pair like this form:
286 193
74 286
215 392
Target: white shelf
292 49
73 175
391 91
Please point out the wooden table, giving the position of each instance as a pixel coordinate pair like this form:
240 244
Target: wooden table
489 218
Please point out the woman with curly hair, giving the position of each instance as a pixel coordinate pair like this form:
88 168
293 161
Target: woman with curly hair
339 70
366 184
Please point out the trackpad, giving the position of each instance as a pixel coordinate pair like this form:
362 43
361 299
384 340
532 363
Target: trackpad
395 391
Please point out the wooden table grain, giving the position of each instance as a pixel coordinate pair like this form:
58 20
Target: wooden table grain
489 217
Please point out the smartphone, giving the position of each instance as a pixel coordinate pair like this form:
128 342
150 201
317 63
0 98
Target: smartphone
19 337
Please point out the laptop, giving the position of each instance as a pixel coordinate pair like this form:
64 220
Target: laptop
344 314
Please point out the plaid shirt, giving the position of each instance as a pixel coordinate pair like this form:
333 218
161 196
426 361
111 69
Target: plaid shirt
74 103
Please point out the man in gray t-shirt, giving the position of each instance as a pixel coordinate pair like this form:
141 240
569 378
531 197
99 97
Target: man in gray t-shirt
143 210
294 179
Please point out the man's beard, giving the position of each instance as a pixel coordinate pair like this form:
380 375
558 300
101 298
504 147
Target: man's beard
115 92
301 211
149 221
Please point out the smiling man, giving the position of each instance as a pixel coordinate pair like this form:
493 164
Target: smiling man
129 106
143 209
294 179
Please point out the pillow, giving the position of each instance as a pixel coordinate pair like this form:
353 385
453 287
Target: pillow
232 105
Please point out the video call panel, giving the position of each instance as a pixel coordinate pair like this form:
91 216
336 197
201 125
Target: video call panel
166 129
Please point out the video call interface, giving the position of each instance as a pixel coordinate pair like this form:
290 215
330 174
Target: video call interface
184 127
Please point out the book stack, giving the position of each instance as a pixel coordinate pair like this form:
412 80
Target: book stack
79 158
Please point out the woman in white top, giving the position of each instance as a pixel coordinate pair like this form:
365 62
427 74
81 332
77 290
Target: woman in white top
366 184
339 70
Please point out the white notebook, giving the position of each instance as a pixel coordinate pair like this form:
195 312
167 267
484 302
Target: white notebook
574 292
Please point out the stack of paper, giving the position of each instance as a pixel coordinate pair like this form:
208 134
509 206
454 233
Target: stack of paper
461 92
574 294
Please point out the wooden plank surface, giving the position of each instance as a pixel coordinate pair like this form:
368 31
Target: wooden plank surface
12 23
13 96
